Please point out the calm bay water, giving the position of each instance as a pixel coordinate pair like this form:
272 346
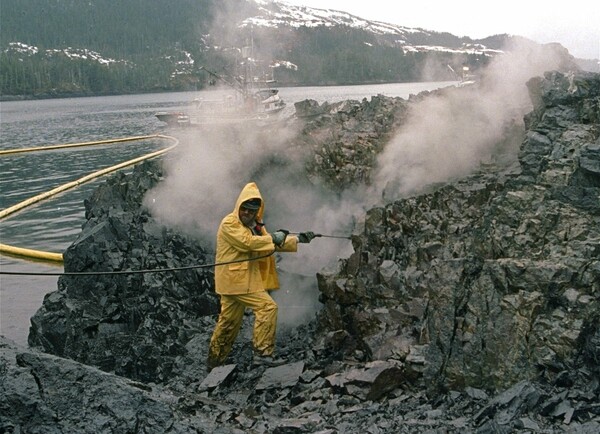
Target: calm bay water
53 224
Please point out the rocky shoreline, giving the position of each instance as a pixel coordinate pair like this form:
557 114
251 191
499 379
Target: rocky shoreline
469 307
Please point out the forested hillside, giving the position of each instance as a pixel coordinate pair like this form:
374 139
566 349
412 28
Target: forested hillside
114 28
72 47
136 38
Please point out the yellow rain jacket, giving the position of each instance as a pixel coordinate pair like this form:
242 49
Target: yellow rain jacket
237 242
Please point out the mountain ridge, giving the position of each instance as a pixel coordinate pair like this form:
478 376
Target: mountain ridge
151 46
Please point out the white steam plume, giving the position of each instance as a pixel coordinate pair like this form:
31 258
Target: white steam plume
447 136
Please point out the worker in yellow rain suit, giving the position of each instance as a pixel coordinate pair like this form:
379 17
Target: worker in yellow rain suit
245 284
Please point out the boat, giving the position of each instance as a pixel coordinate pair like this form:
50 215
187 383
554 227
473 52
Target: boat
254 100
261 106
466 78
173 118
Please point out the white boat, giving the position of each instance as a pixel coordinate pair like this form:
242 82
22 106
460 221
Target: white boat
253 100
172 118
466 78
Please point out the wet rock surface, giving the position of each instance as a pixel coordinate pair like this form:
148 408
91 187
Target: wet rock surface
473 307
43 393
495 278
132 324
345 138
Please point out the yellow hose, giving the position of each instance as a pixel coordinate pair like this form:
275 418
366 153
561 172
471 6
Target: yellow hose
29 253
73 145
57 257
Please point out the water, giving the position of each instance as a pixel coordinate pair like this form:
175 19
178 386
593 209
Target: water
53 224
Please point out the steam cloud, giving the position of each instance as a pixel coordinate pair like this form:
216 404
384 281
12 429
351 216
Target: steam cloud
450 135
446 137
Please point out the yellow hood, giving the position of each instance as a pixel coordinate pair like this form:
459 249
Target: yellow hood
250 191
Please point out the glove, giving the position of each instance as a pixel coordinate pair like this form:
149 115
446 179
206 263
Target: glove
305 237
278 238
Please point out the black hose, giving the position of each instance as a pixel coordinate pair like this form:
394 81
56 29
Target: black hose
159 270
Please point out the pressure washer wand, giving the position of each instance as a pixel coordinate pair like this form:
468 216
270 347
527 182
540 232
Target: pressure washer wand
326 236
333 236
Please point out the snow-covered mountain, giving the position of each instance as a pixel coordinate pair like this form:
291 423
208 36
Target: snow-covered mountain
278 14
68 52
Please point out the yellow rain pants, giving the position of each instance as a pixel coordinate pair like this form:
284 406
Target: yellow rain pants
230 322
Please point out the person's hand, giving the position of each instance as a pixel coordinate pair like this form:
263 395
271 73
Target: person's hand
305 237
278 238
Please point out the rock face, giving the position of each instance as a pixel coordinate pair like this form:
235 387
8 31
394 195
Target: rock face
494 279
345 138
473 307
41 393
132 324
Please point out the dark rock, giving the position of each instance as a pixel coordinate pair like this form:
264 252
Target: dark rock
303 425
344 138
476 393
216 377
281 376
525 423
110 320
380 377
44 393
493 257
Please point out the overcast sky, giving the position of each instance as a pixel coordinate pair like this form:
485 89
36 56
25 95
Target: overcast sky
573 23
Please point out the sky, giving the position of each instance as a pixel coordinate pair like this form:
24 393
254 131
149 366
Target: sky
575 23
